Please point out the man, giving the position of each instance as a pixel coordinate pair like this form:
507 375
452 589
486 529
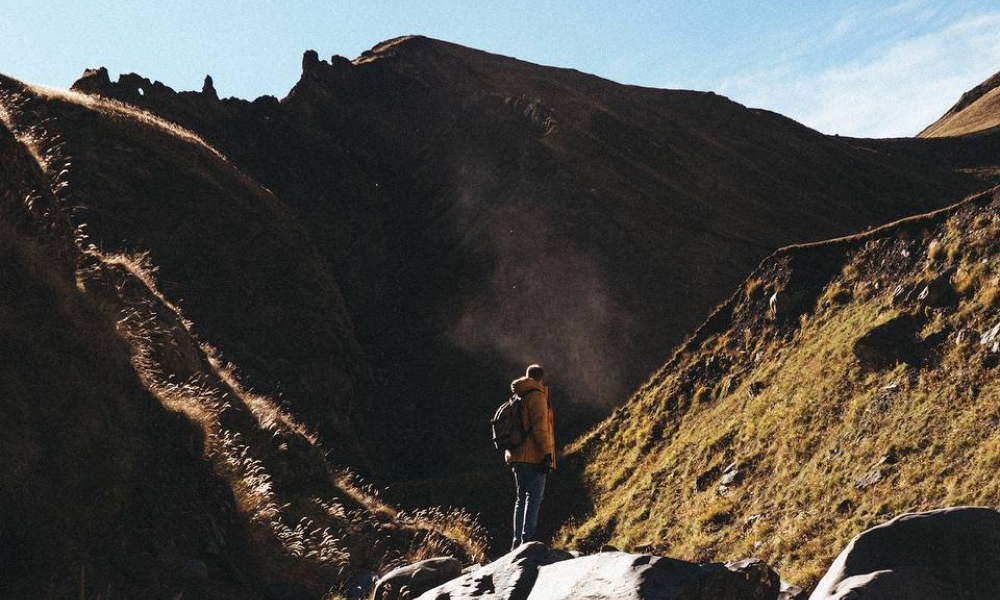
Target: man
536 456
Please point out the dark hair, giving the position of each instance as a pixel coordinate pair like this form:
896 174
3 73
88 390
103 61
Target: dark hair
535 372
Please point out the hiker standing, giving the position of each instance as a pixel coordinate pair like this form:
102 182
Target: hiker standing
532 459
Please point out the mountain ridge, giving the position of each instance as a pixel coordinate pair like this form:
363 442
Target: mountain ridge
271 291
458 170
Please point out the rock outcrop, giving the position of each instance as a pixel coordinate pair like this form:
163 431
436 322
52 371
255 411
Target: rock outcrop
536 572
412 580
510 577
938 555
890 342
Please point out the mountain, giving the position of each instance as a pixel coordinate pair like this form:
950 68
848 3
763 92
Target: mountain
479 212
977 111
869 392
215 312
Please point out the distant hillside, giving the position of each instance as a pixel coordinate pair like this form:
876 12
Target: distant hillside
871 391
978 110
479 212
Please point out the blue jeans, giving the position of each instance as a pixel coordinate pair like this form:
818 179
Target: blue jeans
530 482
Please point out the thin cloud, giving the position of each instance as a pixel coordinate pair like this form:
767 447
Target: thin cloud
907 6
902 88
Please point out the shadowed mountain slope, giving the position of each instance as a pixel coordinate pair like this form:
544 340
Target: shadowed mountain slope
245 270
480 212
978 110
134 462
870 391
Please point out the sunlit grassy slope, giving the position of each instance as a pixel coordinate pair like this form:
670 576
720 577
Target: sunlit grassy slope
975 112
823 447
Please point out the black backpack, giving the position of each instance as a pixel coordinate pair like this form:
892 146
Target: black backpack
508 429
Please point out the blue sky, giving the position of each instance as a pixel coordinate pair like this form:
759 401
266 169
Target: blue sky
851 67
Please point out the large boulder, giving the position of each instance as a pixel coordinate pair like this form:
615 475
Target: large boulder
937 555
623 576
510 577
536 572
410 581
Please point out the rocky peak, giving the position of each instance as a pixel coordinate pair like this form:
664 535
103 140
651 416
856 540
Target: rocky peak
208 88
310 61
93 81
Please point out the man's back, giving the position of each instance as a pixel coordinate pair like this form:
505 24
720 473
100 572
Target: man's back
538 419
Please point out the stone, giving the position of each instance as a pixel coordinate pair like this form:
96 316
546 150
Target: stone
792 592
778 304
891 342
731 478
869 479
748 579
991 338
359 585
93 81
899 296
193 570
623 576
937 555
417 578
208 88
310 60
702 481
938 292
289 591
510 577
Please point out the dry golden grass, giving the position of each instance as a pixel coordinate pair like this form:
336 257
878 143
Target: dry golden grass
979 116
296 528
123 111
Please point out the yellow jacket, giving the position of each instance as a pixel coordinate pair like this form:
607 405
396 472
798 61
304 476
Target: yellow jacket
538 419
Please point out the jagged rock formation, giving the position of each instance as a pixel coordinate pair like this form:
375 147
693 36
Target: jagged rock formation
479 212
977 111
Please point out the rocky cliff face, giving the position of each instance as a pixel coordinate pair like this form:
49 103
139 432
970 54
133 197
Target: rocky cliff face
479 212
